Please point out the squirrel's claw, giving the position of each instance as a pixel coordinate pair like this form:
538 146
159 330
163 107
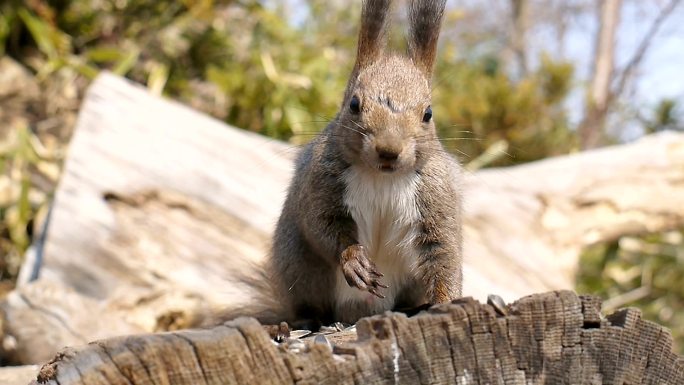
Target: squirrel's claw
360 272
376 293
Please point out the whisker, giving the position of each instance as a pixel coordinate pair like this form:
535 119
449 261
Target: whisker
358 125
328 120
465 155
455 139
313 134
314 113
461 131
424 139
353 129
442 149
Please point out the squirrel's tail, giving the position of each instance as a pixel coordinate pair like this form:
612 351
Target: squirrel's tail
264 303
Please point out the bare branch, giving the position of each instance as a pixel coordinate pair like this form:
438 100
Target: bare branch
597 106
643 47
602 93
520 16
605 52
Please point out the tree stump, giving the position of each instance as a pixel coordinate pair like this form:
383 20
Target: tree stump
552 338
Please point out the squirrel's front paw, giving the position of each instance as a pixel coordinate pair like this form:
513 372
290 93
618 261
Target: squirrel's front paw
360 272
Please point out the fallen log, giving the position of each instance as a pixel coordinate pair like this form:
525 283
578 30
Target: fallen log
17 375
552 338
160 208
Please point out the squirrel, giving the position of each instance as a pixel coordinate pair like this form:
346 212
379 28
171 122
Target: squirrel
372 218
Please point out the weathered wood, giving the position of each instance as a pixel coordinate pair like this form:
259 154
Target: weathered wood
551 338
526 226
160 209
47 316
159 196
17 375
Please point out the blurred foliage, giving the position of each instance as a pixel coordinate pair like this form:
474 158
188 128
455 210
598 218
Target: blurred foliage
268 68
644 272
22 158
224 57
665 116
480 102
281 71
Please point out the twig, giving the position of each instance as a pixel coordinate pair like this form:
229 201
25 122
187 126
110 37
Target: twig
643 46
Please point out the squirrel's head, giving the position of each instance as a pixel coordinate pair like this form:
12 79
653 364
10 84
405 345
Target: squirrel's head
386 120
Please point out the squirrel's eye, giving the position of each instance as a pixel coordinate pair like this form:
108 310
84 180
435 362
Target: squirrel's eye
427 115
355 105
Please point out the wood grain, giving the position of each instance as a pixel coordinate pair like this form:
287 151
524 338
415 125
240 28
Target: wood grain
550 338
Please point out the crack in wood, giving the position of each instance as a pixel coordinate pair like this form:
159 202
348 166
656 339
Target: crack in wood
195 354
103 348
136 352
54 316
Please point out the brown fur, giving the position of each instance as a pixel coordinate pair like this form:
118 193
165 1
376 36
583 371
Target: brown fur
316 228
425 18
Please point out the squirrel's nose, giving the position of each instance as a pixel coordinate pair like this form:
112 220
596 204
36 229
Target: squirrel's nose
387 154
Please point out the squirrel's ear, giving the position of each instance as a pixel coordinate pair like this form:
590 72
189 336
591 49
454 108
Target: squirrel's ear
372 39
425 18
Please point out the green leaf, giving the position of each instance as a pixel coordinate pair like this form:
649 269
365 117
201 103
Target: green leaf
126 62
50 40
86 70
159 74
104 54
5 28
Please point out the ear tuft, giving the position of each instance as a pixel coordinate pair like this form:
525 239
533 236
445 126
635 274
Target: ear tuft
372 37
425 18
373 31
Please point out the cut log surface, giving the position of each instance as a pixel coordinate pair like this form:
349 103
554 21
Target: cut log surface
161 209
552 338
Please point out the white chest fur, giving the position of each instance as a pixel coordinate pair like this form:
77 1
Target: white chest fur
386 215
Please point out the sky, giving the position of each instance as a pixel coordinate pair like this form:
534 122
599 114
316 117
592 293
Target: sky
663 68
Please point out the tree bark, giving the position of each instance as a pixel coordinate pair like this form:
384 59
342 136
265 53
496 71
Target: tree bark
520 16
593 123
556 338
